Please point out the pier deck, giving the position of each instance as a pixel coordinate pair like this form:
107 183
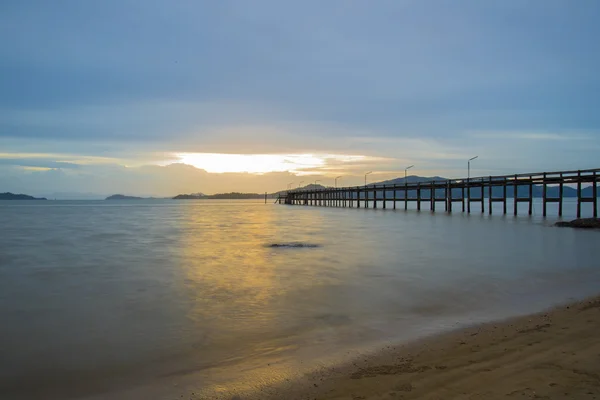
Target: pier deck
482 190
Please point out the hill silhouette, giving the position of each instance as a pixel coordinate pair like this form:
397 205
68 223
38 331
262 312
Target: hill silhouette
12 196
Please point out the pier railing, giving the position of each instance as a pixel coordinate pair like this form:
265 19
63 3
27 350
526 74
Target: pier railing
490 189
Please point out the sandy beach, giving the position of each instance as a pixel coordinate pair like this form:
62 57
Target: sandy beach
550 355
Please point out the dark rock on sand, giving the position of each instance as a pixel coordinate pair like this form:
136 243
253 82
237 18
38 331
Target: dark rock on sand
292 245
584 223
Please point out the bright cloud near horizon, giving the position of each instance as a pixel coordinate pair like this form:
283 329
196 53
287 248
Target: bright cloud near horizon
159 98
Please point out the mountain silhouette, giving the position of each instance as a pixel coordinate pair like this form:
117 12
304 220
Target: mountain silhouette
12 196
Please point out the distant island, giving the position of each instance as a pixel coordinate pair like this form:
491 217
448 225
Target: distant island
220 196
123 197
12 196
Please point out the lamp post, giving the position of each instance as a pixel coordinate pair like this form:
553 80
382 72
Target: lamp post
405 171
469 166
318 180
300 184
290 185
370 172
336 178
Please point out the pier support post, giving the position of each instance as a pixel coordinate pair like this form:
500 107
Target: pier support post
462 194
446 196
516 194
530 195
384 197
560 197
544 193
405 196
468 196
578 194
595 194
489 196
450 196
374 196
504 197
432 196
482 196
418 197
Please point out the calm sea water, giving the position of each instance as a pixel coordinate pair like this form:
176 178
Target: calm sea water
157 299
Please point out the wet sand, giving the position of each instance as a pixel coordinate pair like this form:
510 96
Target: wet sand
551 355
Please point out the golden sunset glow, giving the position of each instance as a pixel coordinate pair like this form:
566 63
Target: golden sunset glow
37 169
262 163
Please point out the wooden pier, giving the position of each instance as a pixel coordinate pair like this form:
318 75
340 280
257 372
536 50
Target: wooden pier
446 193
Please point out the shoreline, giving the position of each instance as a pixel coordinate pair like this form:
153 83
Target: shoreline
551 354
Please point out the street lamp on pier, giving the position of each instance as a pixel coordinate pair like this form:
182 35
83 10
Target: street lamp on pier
469 166
406 170
370 172
336 178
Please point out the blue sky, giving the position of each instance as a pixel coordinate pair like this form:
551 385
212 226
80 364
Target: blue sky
106 96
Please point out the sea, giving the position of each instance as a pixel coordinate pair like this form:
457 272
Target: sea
201 299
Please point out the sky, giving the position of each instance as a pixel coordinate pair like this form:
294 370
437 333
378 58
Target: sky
166 97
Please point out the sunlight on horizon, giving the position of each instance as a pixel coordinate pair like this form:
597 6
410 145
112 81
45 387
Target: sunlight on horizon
261 163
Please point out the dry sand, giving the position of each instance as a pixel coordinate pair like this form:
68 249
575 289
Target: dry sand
551 355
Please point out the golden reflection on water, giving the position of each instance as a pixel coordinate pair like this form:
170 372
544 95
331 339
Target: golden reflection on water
238 287
228 261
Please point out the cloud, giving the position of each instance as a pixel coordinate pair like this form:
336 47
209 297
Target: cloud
37 163
147 180
530 136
